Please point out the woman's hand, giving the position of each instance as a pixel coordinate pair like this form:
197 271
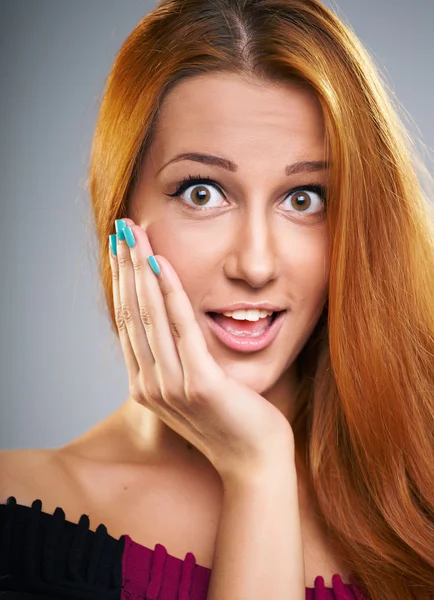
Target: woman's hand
172 373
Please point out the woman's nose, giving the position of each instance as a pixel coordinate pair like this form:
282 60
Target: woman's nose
253 254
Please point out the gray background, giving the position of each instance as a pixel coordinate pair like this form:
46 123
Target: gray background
61 369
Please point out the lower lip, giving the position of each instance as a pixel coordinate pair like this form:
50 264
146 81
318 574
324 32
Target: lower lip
245 343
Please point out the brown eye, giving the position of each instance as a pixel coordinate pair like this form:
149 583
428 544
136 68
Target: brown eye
200 195
307 199
301 200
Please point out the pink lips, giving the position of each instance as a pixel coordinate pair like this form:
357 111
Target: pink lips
245 343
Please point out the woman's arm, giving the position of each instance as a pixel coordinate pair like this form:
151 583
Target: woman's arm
259 550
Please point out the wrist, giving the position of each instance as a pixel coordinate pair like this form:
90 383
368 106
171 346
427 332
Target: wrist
268 470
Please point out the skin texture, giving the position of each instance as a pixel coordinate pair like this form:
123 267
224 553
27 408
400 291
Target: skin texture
253 243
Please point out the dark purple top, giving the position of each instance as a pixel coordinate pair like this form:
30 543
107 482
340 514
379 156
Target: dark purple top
44 556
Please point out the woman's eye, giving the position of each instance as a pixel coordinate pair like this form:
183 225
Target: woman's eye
201 194
302 199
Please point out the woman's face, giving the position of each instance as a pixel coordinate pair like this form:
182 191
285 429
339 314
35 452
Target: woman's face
244 237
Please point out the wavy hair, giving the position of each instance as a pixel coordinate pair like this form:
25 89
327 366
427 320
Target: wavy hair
366 394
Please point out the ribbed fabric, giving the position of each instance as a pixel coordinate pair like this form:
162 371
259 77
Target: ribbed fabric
44 556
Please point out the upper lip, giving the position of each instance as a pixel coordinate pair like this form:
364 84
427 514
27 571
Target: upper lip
247 306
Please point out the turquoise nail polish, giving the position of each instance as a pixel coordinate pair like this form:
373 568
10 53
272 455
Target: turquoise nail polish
120 226
113 243
129 236
154 265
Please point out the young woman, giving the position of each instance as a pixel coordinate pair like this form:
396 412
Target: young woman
271 282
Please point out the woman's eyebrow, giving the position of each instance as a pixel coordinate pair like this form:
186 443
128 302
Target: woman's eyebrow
305 166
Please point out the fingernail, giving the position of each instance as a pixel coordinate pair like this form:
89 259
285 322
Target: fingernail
120 226
154 265
113 244
129 236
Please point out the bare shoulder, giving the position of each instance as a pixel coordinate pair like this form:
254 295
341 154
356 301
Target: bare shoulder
28 474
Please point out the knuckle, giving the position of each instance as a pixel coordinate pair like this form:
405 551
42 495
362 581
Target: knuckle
194 393
152 393
145 315
123 260
115 274
135 391
145 389
137 265
120 319
177 329
172 392
124 315
198 390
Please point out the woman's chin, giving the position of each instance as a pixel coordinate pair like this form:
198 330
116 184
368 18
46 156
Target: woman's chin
259 379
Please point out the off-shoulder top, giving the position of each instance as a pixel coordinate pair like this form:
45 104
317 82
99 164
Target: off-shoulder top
45 556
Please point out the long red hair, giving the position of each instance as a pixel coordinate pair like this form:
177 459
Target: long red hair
366 394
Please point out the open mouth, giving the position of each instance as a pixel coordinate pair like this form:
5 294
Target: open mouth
244 335
244 324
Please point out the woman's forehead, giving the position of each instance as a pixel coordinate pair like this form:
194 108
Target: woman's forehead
225 101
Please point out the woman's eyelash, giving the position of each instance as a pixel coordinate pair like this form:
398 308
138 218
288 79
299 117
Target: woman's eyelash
190 180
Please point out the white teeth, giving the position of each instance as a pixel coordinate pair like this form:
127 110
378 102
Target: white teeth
248 315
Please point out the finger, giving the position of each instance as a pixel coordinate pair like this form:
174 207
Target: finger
199 367
130 358
153 314
129 312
